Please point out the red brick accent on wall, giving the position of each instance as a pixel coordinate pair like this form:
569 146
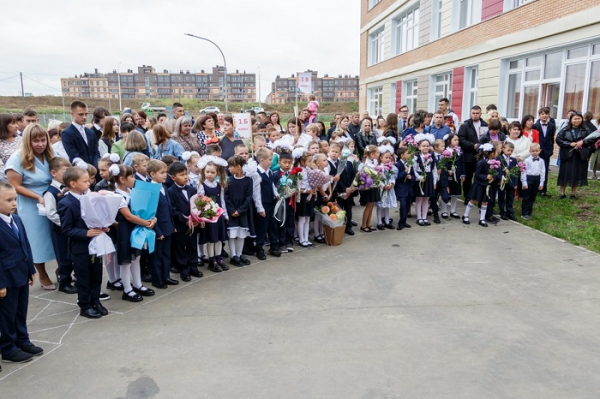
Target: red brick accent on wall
491 8
458 84
398 95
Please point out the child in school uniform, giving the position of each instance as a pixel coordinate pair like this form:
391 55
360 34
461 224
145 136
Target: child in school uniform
140 162
266 224
238 198
506 195
256 206
482 178
370 196
212 184
168 160
455 177
388 195
185 246
88 268
323 196
285 232
533 180
425 178
305 209
344 191
441 189
494 187
103 165
60 242
403 186
160 259
128 258
17 274
191 159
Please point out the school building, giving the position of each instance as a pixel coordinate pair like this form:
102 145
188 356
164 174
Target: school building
517 54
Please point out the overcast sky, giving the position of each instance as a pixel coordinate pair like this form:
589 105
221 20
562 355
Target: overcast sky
47 40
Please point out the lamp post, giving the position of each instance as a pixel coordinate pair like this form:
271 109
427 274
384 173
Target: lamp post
224 65
119 83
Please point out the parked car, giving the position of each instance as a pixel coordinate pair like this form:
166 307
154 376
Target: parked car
256 110
206 110
148 107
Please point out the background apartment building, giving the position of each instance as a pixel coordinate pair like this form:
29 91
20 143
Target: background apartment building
146 83
326 88
517 54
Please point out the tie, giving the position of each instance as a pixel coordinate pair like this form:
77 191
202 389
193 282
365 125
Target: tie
62 186
403 125
82 131
544 124
14 229
535 159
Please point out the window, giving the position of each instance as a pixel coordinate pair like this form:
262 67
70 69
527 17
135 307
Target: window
436 19
393 98
594 94
512 4
470 91
410 95
465 13
376 101
376 47
406 31
442 88
574 87
373 3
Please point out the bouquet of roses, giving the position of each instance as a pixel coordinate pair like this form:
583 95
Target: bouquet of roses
448 161
412 146
517 170
427 161
289 185
203 209
367 178
331 215
494 168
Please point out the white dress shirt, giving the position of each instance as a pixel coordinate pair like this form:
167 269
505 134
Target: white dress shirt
535 167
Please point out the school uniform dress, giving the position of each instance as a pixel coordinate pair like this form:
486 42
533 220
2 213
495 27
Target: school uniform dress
160 259
16 269
214 232
403 190
38 226
306 207
428 169
238 197
388 198
533 179
480 182
125 253
60 242
373 194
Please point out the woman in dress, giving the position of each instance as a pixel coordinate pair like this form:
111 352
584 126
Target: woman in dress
182 135
29 173
165 145
574 154
209 133
10 141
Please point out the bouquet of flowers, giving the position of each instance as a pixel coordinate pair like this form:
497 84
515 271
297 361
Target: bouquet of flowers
289 185
144 203
494 168
98 211
427 161
412 145
331 215
517 170
203 209
448 161
316 179
367 179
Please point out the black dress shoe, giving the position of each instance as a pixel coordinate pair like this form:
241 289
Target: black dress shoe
353 223
91 313
504 217
436 220
275 252
100 309
399 227
349 231
143 291
261 255
67 289
116 286
389 226
222 264
171 281
204 259
196 273
380 227
466 220
147 278
483 223
161 286
186 278
245 261
235 260
214 267
132 296
512 217
174 270
319 239
32 349
406 225
18 356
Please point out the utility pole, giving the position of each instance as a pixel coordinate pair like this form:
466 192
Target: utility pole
259 99
22 89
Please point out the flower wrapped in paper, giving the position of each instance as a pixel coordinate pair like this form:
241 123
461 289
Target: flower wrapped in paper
204 209
316 179
287 188
143 204
331 215
98 211
367 178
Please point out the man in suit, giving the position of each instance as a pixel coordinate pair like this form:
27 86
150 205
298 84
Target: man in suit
547 128
334 124
354 125
16 275
98 117
80 142
402 119
468 136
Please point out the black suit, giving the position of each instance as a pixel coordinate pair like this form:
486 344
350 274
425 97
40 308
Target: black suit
16 269
88 269
346 179
160 259
268 224
546 144
468 137
97 133
185 247
76 147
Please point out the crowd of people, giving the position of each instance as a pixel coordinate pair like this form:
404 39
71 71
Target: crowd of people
425 159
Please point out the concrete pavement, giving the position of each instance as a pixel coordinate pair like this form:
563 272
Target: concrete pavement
447 311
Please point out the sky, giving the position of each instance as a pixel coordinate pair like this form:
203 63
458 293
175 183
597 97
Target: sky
47 40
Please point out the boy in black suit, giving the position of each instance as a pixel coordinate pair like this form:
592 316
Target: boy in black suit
16 275
79 141
344 186
403 187
547 128
266 223
286 232
506 196
88 268
160 259
185 246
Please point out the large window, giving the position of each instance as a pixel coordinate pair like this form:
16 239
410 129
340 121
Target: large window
376 46
436 19
410 95
562 79
376 101
470 91
406 31
442 88
465 13
373 3
511 4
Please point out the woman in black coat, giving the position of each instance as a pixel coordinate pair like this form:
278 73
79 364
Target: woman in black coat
574 154
365 137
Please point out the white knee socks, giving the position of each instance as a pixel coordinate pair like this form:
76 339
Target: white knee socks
126 277
483 210
112 268
453 200
468 209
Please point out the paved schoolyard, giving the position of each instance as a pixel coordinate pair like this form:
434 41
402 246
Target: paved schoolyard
447 311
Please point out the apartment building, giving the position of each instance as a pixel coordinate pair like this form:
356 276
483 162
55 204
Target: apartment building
326 88
517 54
146 83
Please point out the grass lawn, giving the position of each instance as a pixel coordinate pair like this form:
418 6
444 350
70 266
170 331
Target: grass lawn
576 221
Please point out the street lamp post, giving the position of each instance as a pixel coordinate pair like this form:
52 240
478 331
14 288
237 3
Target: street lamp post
119 83
224 65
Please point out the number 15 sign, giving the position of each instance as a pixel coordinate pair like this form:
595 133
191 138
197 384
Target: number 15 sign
243 125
